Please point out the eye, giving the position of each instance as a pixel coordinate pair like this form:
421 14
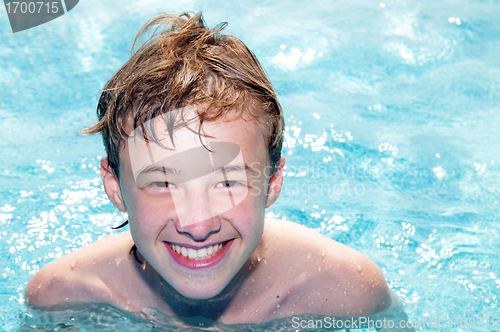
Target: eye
162 184
227 184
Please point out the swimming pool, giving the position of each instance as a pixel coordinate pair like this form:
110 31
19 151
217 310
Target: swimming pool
392 143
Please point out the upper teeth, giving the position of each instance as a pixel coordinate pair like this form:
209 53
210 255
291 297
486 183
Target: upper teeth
197 254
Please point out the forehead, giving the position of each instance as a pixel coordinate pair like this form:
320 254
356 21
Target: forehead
189 140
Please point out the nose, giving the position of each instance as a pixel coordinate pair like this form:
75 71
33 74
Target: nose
195 217
201 230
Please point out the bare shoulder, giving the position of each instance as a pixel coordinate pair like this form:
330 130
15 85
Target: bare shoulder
331 278
84 275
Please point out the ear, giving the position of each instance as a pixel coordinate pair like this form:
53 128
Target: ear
275 184
111 185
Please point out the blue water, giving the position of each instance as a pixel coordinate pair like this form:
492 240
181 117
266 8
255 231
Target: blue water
392 142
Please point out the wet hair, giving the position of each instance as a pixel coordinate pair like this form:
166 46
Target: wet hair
182 63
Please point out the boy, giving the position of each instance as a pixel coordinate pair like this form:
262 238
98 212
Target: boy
193 133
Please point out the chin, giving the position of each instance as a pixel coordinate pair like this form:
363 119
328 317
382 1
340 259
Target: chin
201 293
204 288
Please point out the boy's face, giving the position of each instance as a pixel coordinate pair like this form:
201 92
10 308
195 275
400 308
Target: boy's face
186 201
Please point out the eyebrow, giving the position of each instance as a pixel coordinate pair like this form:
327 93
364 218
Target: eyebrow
161 169
239 168
227 169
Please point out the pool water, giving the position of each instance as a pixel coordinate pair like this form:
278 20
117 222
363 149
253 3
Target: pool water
392 144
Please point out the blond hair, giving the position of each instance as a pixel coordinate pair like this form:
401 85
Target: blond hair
185 63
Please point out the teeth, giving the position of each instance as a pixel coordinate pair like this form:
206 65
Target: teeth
192 254
202 253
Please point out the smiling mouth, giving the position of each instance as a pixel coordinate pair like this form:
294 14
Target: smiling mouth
198 254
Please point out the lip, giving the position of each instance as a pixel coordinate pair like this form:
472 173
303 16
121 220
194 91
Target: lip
202 263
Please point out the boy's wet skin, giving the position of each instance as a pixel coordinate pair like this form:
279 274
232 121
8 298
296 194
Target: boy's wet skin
289 271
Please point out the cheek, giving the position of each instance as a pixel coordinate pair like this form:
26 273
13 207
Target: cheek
149 215
248 216
143 207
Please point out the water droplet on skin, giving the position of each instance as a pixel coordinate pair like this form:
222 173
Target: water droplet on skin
360 268
257 310
246 293
309 256
54 275
323 254
345 293
278 306
319 268
253 280
72 265
342 305
39 286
